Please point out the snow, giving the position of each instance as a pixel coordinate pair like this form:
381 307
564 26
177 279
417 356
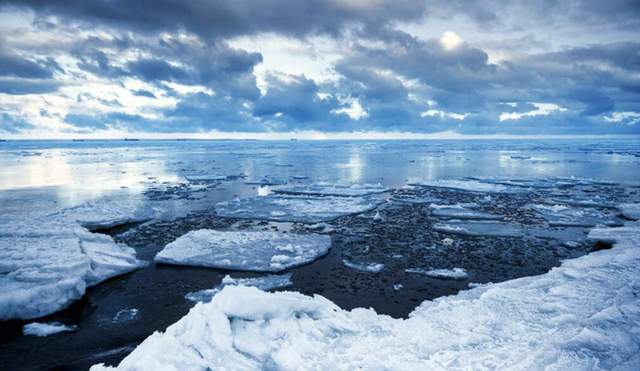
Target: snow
468 185
582 315
461 211
453 274
330 189
630 210
265 283
566 216
45 329
305 209
364 267
260 251
480 228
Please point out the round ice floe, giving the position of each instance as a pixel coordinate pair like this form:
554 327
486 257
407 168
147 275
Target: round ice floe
262 251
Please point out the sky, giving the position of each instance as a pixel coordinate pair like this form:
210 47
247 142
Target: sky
319 68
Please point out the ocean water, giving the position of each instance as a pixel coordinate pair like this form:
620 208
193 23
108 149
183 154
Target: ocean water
183 181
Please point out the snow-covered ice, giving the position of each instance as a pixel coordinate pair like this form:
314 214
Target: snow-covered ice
480 228
44 273
106 212
567 216
364 267
452 274
582 315
330 189
260 251
305 209
461 211
265 283
468 185
45 329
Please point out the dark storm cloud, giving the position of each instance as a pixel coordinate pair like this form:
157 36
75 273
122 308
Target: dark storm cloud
230 18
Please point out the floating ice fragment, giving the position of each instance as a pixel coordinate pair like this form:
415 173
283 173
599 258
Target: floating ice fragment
364 267
453 274
561 215
125 315
330 189
266 182
469 185
260 251
45 329
265 283
630 210
411 199
305 209
480 228
460 211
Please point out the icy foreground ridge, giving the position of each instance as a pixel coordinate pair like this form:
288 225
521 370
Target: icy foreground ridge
45 329
304 209
330 189
583 315
265 283
48 261
260 251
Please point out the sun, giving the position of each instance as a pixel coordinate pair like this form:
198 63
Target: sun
450 40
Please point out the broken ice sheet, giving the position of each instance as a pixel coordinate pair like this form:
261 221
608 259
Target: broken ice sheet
452 274
304 209
363 267
265 283
46 329
461 211
330 189
469 185
260 251
567 216
480 228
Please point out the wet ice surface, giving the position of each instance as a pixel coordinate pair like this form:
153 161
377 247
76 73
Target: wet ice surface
155 176
568 216
258 251
265 283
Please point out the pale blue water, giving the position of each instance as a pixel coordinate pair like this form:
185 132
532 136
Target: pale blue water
70 172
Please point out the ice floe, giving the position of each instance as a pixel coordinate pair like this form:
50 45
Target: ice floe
305 209
42 274
468 185
106 212
562 215
330 189
412 199
265 283
364 267
582 315
461 211
45 329
260 251
451 274
480 228
125 315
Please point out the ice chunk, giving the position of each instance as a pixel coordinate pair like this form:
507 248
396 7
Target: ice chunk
266 181
480 228
541 183
460 211
364 267
40 275
305 209
581 315
411 199
452 274
630 210
46 329
260 251
268 282
469 185
206 178
330 189
561 215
